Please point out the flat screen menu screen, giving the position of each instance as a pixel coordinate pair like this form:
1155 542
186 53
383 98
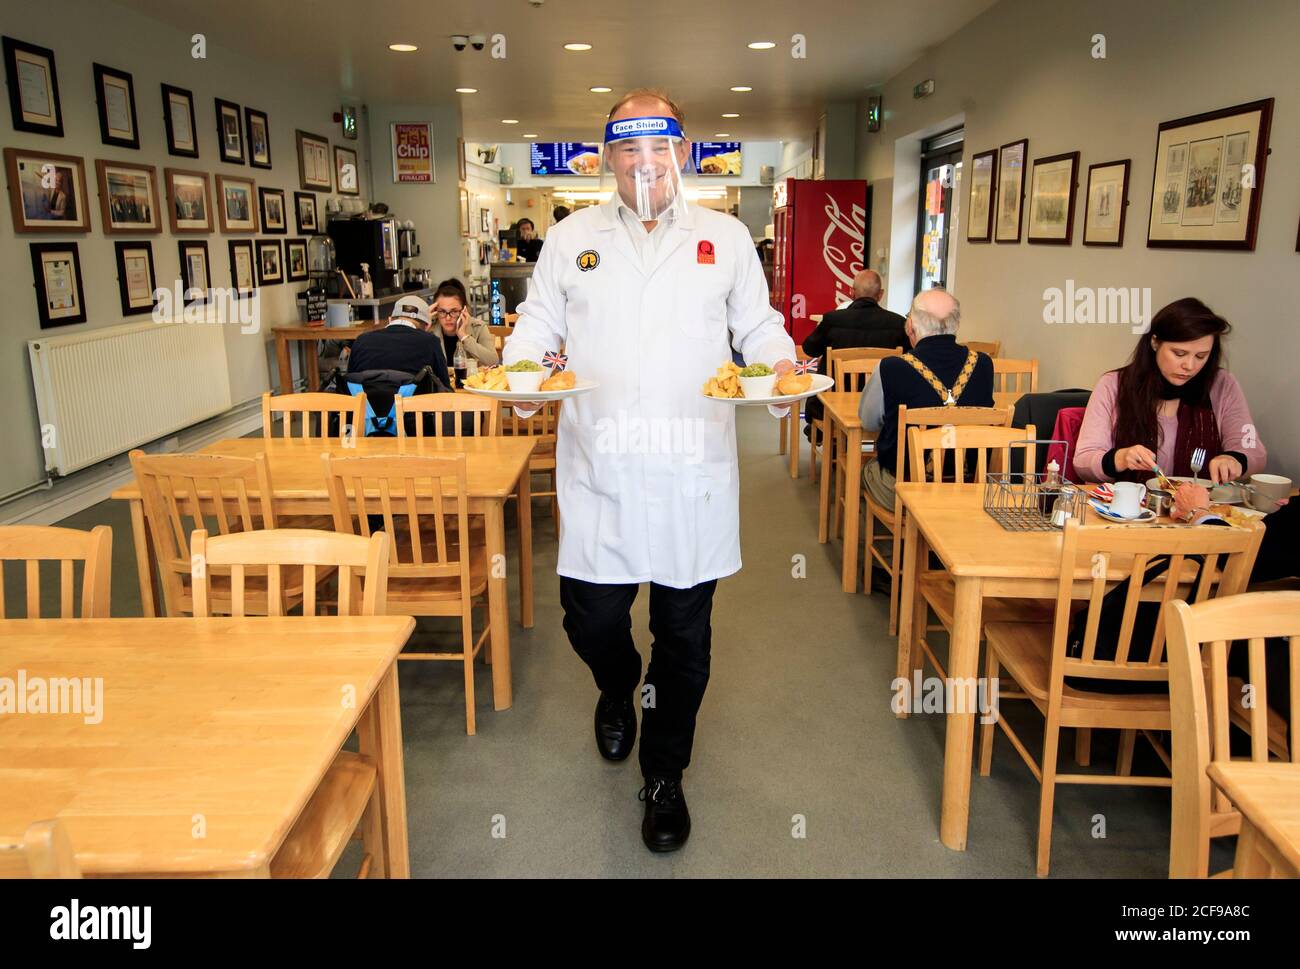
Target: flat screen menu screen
564 158
716 157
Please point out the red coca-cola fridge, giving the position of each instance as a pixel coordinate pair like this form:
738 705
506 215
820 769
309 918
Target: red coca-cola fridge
821 242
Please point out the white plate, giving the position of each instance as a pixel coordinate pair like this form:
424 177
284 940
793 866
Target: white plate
820 384
1236 500
1104 511
581 387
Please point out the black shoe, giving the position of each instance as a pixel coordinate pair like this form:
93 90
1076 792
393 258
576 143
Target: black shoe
667 823
615 726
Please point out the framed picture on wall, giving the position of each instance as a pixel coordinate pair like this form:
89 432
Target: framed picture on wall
189 200
196 274
47 192
237 203
346 173
178 117
314 162
33 88
295 260
230 135
460 159
485 222
464 213
243 271
1107 204
135 278
270 262
304 212
56 267
1011 190
258 131
1209 178
115 95
274 218
128 197
1051 199
983 187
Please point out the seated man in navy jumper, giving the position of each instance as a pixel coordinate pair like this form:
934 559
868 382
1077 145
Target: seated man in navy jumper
937 371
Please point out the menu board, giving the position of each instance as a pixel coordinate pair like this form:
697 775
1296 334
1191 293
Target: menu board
716 157
564 158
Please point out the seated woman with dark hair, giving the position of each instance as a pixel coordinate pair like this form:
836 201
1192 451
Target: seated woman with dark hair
454 324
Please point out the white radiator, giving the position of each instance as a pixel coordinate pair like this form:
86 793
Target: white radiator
101 393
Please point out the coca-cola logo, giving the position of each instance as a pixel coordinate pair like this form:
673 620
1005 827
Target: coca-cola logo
844 232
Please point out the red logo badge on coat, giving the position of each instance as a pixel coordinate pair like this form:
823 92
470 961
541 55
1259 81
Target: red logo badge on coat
704 253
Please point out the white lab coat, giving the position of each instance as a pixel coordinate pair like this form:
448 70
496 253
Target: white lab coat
646 465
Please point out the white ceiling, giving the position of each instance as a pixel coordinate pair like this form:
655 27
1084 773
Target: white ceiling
696 50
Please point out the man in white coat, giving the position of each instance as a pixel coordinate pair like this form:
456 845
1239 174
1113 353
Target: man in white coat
648 295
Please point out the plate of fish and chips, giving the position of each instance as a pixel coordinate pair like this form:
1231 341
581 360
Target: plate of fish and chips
495 382
758 384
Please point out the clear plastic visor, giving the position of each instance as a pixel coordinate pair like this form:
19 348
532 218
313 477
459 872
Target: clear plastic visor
647 171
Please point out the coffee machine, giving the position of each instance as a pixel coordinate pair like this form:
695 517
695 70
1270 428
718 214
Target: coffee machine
371 241
407 249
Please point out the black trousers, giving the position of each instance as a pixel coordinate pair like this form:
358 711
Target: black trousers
598 620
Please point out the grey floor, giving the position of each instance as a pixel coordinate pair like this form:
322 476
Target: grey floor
796 736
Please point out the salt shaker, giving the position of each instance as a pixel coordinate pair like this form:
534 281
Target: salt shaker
1063 507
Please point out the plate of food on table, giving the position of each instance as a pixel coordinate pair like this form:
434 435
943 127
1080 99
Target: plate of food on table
759 384
528 380
1182 500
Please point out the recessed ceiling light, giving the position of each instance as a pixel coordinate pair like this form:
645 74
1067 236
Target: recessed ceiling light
510 121
731 114
530 136
467 90
601 90
742 89
762 45
723 134
403 48
577 47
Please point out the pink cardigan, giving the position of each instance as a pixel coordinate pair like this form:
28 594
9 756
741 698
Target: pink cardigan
1236 428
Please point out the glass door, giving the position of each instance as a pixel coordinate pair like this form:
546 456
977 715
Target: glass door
936 223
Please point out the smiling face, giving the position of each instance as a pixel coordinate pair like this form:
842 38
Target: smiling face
652 158
1180 362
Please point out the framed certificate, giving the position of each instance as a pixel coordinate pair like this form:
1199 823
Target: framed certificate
115 95
135 278
33 88
60 299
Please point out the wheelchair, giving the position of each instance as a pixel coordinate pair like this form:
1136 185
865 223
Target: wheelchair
382 388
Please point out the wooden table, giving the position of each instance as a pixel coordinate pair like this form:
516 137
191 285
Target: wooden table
496 467
1268 796
842 421
309 336
214 735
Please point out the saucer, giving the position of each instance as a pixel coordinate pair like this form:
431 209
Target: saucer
1104 511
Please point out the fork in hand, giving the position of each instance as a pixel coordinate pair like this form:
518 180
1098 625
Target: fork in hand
1198 462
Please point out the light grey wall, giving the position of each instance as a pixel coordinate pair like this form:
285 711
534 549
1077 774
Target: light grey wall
841 140
1024 70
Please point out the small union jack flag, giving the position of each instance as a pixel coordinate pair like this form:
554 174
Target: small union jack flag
804 366
557 361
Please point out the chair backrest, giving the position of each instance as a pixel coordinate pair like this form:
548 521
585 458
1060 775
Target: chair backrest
927 447
315 412
1103 551
543 425
925 417
1200 638
186 492
269 551
837 358
992 348
499 335
852 375
34 544
44 852
411 493
485 422
1015 376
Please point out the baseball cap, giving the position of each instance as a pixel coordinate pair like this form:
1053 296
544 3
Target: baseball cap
411 308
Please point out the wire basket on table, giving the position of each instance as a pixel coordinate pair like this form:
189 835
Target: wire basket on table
1027 501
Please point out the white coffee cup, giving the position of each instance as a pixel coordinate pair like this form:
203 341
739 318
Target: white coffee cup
1267 491
1128 499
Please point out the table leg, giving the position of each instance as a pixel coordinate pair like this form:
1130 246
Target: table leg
145 566
282 358
959 745
498 608
794 441
912 608
310 364
852 501
526 549
1250 862
782 429
824 509
379 731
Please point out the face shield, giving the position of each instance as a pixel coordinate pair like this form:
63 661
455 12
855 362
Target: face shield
645 161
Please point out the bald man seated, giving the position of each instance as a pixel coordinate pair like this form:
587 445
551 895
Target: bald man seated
863 323
938 371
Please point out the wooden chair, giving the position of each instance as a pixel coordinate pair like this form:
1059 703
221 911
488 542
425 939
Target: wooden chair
486 423
315 411
544 427
499 336
1012 379
183 493
436 565
788 426
1206 702
1034 654
890 519
345 799
993 348
856 381
44 852
34 544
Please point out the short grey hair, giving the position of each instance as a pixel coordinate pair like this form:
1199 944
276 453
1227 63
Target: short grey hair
926 323
866 284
